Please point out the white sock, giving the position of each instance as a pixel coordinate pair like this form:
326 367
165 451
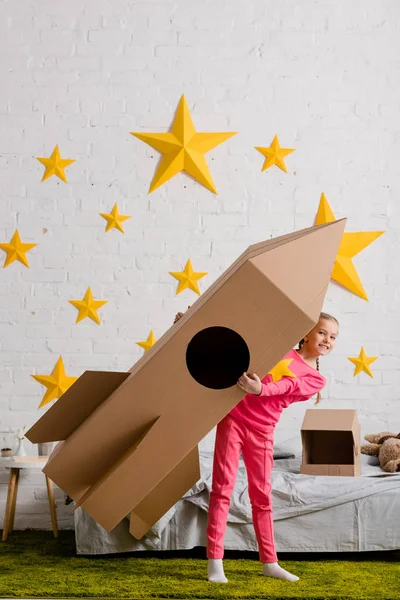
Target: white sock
216 571
274 570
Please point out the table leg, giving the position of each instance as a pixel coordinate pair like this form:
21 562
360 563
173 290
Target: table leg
52 504
11 501
11 526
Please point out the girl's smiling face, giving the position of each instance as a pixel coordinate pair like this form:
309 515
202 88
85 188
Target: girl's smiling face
322 338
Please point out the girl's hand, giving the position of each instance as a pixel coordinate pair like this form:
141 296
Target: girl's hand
250 383
178 316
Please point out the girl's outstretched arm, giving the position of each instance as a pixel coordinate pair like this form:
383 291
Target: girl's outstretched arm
304 386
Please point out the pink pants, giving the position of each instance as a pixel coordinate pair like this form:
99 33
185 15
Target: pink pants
256 447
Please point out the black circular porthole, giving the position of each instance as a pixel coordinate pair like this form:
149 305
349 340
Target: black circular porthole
216 357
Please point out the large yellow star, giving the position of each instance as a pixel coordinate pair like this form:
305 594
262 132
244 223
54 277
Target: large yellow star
15 250
362 362
147 344
187 278
114 219
351 244
274 155
281 370
88 307
183 149
57 383
55 165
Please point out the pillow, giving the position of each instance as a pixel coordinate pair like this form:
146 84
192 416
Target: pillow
281 452
291 448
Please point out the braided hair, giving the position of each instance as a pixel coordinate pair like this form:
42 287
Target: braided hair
327 317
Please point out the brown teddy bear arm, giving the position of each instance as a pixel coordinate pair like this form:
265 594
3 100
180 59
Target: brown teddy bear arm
372 449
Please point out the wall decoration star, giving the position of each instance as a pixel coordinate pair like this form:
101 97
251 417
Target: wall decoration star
88 307
187 278
352 243
183 149
274 155
362 362
55 165
57 383
16 250
281 370
147 344
114 219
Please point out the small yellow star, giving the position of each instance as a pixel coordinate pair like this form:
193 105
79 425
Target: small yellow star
183 149
281 370
151 340
15 250
362 362
55 165
187 278
274 155
114 219
57 383
352 243
88 307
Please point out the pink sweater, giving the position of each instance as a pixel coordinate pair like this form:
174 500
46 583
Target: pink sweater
262 412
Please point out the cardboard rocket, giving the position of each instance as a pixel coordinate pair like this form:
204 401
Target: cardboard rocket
129 440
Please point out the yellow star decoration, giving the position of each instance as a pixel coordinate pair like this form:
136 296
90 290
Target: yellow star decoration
114 219
183 149
362 362
15 250
57 383
187 278
281 370
147 344
88 307
351 244
55 165
274 155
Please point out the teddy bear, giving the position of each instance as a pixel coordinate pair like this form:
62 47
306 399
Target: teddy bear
386 446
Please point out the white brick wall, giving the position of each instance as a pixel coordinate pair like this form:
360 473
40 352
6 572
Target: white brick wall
322 74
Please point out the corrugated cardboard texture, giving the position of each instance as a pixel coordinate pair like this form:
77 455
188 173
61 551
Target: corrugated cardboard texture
270 297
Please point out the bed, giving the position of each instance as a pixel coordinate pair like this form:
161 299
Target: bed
311 514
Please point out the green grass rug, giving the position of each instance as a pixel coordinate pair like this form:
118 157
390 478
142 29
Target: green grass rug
35 565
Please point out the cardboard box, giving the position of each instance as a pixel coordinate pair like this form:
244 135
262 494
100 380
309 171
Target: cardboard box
331 443
130 439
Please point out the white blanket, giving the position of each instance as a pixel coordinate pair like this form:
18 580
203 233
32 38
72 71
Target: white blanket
294 494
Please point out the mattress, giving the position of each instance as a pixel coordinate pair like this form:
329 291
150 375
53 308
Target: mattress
311 514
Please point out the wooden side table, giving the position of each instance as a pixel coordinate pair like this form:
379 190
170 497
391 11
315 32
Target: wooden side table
15 464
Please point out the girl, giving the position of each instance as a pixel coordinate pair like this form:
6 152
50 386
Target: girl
248 430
